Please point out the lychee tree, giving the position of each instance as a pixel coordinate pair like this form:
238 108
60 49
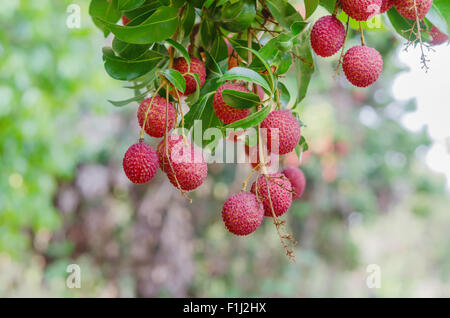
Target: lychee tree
221 63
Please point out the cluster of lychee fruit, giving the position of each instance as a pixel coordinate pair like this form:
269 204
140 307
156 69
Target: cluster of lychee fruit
362 65
184 166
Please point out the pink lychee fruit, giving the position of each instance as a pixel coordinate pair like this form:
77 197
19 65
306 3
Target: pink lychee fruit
180 64
184 165
386 5
280 193
140 163
362 65
282 133
437 36
242 213
327 36
297 179
407 10
361 10
224 112
155 125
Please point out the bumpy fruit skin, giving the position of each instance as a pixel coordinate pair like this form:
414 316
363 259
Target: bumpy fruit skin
288 135
407 10
242 213
226 113
327 36
297 179
386 5
280 193
180 64
361 10
362 65
156 120
438 36
186 168
140 163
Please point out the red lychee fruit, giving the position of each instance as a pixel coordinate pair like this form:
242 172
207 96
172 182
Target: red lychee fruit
386 5
185 167
224 112
140 163
280 193
283 131
438 36
297 179
407 10
361 10
180 64
242 213
125 20
327 36
156 117
362 65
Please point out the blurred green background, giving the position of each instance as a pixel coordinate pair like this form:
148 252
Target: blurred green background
64 198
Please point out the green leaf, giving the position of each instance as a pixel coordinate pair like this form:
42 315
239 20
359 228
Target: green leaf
160 26
283 95
101 10
328 4
284 13
439 18
188 19
310 7
403 25
176 79
219 49
247 75
304 67
237 17
181 49
196 111
443 7
127 5
127 50
266 66
250 121
128 70
194 96
241 100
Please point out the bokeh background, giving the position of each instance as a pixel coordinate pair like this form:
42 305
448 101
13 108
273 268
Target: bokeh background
378 174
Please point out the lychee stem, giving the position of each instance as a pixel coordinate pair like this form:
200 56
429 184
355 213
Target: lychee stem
289 251
142 132
244 184
343 47
336 8
363 42
166 145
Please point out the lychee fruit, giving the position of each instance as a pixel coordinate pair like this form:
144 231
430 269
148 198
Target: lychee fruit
242 213
407 10
361 10
280 193
297 179
282 131
362 65
140 163
156 117
386 5
437 36
125 20
180 64
185 167
327 36
224 112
